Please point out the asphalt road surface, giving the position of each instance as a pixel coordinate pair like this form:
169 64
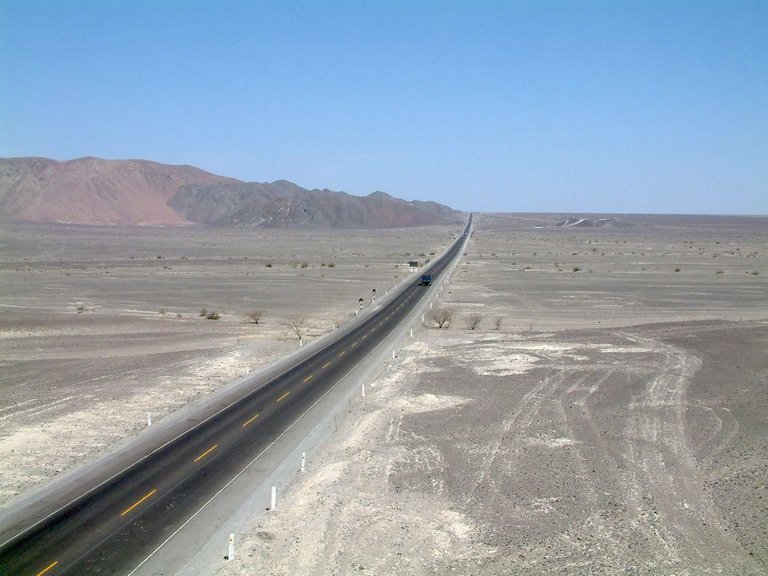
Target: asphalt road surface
120 518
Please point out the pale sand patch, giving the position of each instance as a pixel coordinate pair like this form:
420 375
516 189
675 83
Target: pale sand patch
428 403
496 360
557 442
26 452
610 349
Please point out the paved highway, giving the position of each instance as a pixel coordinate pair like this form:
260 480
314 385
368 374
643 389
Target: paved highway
120 518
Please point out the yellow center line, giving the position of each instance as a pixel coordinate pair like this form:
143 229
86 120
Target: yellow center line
48 568
353 344
326 365
366 336
204 454
124 512
283 396
308 378
342 353
249 421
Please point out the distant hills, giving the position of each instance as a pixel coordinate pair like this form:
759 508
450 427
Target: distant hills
93 191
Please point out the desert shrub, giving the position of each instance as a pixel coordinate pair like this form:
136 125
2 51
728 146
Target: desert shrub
203 311
212 315
254 316
441 316
473 320
268 265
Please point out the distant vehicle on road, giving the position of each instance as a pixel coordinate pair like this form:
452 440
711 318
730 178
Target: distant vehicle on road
426 279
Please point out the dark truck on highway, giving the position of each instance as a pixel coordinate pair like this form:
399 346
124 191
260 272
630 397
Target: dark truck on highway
426 279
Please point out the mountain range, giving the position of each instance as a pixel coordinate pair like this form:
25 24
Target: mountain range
93 191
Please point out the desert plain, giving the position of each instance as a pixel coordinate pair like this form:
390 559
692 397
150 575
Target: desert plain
605 415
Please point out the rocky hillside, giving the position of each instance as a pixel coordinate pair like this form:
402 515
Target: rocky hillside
138 192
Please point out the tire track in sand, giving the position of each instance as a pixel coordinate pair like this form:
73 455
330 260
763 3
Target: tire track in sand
662 484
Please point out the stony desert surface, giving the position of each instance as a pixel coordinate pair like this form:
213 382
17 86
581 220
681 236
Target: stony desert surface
606 416
101 325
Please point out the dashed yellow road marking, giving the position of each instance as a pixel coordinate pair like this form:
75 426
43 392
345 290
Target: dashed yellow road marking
204 454
354 344
342 353
283 396
326 365
139 501
308 378
47 568
365 336
249 421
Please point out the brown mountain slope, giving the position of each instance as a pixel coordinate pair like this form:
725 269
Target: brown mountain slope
138 192
94 191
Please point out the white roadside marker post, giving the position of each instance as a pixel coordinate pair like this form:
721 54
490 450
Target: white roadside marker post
231 554
303 461
273 502
393 353
149 419
363 390
411 332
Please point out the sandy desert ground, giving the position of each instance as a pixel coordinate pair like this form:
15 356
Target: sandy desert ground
99 326
615 423
607 416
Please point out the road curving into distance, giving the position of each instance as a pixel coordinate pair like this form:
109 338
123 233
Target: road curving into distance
121 517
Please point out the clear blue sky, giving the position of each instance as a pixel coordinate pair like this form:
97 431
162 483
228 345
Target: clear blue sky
606 106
